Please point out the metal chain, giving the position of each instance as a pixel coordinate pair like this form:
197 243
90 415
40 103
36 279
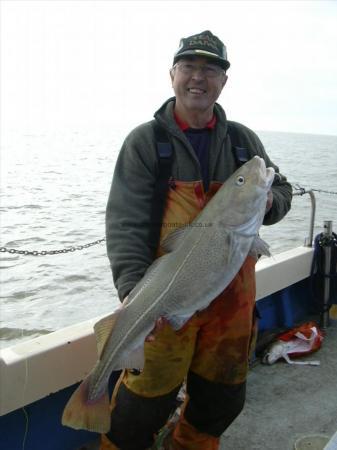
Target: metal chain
302 190
325 192
15 251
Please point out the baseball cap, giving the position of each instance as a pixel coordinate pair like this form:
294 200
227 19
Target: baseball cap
203 44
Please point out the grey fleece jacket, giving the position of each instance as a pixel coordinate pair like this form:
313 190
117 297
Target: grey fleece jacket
130 201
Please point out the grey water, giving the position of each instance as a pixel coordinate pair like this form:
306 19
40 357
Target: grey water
54 188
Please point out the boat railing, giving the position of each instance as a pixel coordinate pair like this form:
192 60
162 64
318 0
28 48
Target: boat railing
308 242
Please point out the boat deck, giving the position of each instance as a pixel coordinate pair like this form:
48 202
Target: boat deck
286 402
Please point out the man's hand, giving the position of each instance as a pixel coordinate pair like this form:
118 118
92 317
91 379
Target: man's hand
269 201
159 325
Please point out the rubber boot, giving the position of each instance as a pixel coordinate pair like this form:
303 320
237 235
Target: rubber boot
106 444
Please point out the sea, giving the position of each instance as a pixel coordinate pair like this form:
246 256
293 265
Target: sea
54 189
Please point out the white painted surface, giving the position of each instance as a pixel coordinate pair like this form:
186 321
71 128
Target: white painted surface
282 270
36 368
332 444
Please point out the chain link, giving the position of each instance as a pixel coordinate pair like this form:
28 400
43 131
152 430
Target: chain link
15 251
301 190
324 192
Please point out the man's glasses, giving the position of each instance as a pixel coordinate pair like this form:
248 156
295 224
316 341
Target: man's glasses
208 70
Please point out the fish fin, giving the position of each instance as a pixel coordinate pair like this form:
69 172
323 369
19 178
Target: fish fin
83 414
178 321
231 244
133 359
259 247
174 239
103 329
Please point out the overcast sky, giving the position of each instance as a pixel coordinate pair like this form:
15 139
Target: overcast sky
83 64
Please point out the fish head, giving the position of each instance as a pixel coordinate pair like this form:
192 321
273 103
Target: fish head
256 175
245 196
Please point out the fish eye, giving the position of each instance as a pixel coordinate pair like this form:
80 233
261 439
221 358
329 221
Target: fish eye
240 180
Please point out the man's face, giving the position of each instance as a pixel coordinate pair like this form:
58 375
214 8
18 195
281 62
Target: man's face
197 83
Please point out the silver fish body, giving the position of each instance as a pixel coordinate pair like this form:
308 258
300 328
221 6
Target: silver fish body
201 260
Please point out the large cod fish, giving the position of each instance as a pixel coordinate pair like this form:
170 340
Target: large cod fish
201 260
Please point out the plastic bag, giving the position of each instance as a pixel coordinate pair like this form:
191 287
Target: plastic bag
302 340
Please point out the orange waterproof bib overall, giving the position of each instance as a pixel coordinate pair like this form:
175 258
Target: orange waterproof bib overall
211 351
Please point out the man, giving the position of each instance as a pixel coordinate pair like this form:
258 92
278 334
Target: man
211 351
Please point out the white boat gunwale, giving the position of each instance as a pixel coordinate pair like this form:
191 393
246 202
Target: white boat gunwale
34 369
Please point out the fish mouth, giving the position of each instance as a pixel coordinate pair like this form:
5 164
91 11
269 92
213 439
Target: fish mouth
266 174
270 174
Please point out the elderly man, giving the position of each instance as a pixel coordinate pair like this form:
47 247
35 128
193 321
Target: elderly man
167 171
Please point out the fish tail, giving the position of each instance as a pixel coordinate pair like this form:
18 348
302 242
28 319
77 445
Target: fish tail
83 414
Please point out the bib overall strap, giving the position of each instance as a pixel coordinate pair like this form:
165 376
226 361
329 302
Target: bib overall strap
241 154
165 158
